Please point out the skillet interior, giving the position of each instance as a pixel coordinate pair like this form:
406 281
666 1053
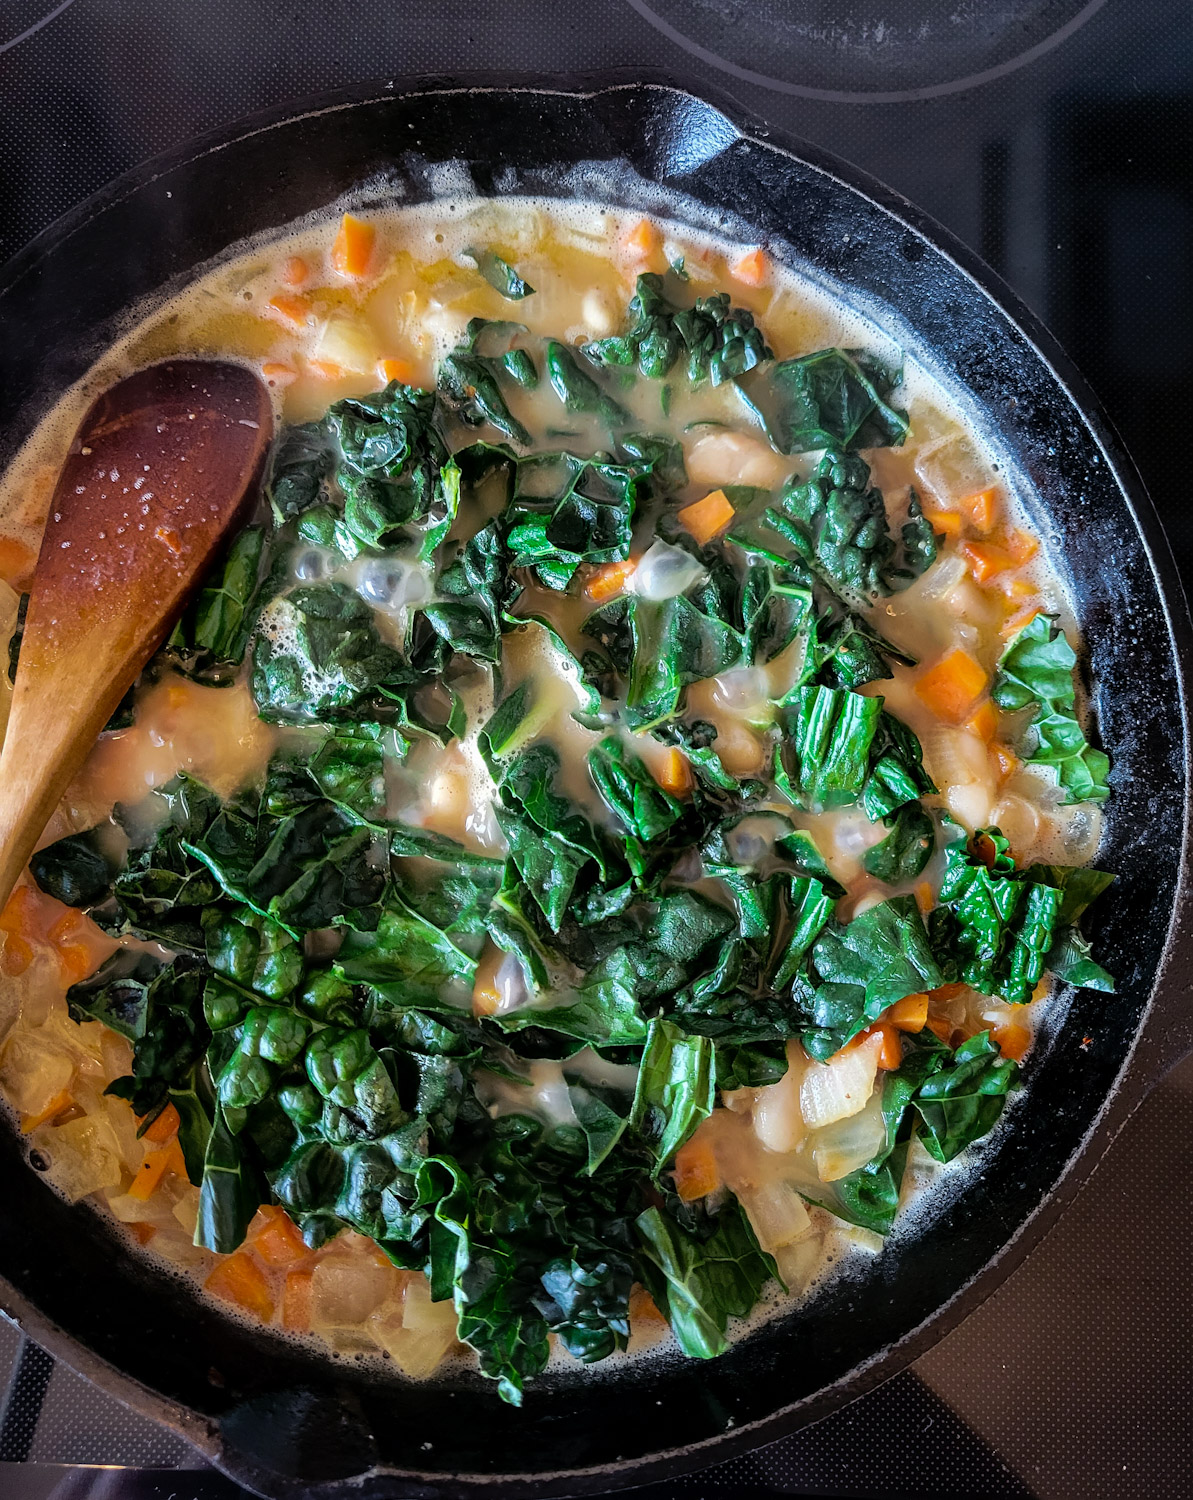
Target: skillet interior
287 1422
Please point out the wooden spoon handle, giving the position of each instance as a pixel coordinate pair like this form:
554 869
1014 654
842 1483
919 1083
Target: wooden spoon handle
162 466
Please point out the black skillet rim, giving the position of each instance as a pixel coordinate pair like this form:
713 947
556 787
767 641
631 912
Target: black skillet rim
1124 1091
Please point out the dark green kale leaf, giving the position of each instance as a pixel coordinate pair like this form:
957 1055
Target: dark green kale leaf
824 756
75 870
907 848
700 1282
470 386
567 511
835 398
865 966
838 525
317 656
1036 671
631 793
302 460
961 1100
676 1090
897 774
994 926
499 274
209 642
717 342
578 391
662 647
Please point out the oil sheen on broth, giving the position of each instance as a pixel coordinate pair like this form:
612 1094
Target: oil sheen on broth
318 335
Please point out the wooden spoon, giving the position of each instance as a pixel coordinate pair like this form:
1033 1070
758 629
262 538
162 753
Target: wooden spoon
163 465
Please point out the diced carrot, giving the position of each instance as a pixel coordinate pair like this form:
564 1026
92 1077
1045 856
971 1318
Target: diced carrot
75 962
400 370
1005 762
908 1014
1043 988
240 1279
705 518
296 1301
294 270
1021 544
16 955
164 1127
277 373
890 1054
946 992
1016 622
149 1174
675 773
696 1171
1012 1039
16 562
644 240
485 995
323 369
289 309
946 522
278 1241
643 1308
984 720
986 560
60 1102
981 508
752 268
941 1027
142 1233
608 579
1014 590
952 686
924 898
353 247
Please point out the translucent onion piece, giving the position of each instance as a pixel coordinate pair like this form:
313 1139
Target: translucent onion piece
798 1261
778 1121
665 571
345 1289
849 1143
34 1072
836 1089
415 1332
777 1213
349 344
82 1155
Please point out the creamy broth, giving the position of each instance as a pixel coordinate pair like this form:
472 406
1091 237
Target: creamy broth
321 327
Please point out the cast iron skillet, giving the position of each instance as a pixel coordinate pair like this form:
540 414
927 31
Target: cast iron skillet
288 1423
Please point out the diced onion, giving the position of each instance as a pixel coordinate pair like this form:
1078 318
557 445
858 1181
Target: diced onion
349 344
34 1073
346 1289
836 1089
415 1332
778 1121
664 571
797 1262
82 1156
777 1213
849 1143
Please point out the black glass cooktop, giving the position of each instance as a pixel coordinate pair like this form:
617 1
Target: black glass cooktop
1054 137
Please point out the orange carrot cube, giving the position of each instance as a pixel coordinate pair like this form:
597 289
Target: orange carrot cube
60 1102
984 720
675 773
278 1241
644 239
239 1279
294 311
353 247
1004 761
609 579
1012 1039
296 1301
149 1174
705 518
696 1171
400 370
981 509
164 1127
946 523
952 686
986 560
908 1014
752 268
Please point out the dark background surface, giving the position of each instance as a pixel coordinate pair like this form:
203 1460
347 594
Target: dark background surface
1055 138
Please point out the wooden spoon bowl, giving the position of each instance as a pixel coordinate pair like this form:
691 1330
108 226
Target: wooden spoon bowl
163 465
